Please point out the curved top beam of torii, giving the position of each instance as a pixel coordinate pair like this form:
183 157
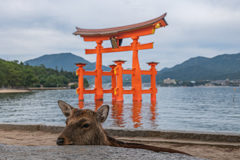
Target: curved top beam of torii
139 29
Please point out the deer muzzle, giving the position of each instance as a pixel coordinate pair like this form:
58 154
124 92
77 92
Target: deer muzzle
60 141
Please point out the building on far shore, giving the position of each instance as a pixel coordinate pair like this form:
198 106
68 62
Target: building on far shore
209 85
169 81
72 83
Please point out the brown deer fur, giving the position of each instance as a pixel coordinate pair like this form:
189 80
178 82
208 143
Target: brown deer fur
83 127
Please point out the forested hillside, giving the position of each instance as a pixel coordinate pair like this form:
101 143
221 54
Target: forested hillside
13 74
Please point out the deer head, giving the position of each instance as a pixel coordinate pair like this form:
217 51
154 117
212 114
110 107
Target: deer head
83 127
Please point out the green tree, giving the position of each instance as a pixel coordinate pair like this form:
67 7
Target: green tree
30 78
16 75
85 83
42 80
51 81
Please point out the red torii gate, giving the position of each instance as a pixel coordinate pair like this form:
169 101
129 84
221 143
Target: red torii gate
116 35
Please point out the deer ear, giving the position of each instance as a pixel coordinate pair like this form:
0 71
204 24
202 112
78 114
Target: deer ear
66 108
102 113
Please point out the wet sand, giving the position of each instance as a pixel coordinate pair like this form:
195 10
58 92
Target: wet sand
40 138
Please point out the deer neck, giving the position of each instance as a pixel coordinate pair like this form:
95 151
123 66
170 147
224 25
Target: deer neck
100 137
115 143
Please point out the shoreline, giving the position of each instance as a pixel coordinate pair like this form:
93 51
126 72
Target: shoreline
199 86
29 90
224 146
15 90
222 137
48 88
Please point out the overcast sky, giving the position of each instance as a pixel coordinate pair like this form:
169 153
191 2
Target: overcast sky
30 29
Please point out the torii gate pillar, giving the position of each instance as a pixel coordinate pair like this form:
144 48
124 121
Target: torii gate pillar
98 78
136 77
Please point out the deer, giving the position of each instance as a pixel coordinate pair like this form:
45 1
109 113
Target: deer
84 127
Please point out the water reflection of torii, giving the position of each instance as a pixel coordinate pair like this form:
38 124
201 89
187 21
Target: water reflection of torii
117 112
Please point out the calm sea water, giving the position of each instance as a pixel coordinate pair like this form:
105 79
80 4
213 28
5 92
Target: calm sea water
180 108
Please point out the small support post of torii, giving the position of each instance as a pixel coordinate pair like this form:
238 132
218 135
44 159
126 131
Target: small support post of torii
113 77
119 73
153 87
80 89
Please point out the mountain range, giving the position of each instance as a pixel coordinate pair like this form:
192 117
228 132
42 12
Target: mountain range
66 61
197 68
63 60
202 68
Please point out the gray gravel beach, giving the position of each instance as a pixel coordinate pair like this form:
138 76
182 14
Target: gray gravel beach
83 152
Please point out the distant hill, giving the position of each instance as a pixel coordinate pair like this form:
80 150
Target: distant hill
202 68
66 61
63 60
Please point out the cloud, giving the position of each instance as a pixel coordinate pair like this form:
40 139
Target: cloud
29 29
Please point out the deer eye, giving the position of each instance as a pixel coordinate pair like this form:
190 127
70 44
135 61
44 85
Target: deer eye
86 125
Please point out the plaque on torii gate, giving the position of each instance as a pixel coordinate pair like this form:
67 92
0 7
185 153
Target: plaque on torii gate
115 36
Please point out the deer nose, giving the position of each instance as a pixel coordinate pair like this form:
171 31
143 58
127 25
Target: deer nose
60 141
